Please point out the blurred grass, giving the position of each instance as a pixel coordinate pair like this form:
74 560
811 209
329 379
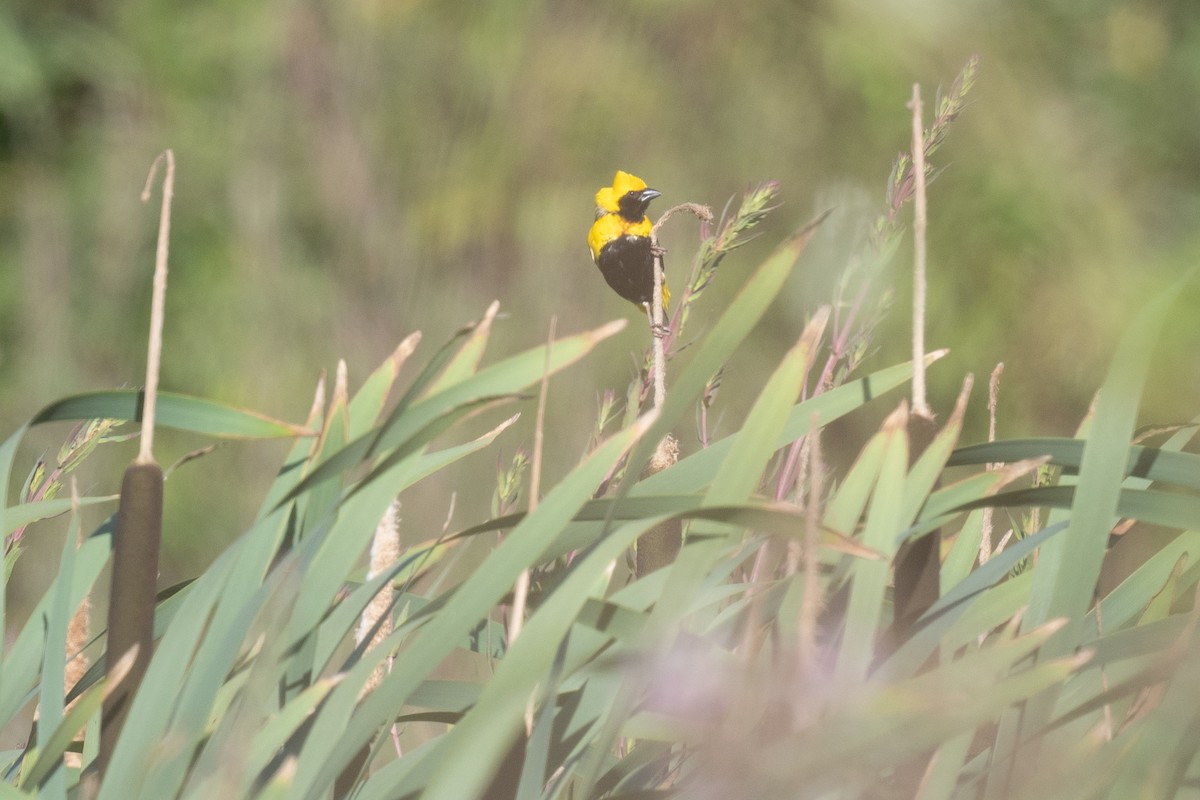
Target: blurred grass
352 172
693 681
1063 671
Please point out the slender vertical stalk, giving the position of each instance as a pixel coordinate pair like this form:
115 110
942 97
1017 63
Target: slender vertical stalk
985 540
138 532
157 303
810 604
920 406
521 589
657 331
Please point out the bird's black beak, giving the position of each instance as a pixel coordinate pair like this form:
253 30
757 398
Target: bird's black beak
649 194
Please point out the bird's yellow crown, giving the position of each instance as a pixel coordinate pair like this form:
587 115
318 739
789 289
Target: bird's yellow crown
623 183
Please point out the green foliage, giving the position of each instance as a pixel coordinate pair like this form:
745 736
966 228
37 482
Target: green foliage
692 681
763 662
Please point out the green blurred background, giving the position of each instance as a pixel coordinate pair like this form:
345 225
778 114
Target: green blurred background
350 172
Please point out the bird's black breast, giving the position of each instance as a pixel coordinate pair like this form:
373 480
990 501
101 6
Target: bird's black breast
628 266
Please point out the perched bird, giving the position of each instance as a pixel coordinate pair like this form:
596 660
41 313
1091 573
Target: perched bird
620 239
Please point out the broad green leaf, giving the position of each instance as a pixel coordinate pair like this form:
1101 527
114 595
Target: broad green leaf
1161 749
719 344
959 598
465 362
179 411
321 500
8 452
994 570
645 757
357 517
50 754
1169 509
537 750
929 464
343 618
486 732
10 792
1139 641
294 463
869 578
1164 466
340 729
738 474
413 768
780 519
695 472
502 380
27 513
368 402
430 463
140 747
986 612
247 705
431 369
1069 565
54 662
1160 605
22 663
738 477
190 663
846 506
945 768
279 728
885 725
455 696
1132 596
964 550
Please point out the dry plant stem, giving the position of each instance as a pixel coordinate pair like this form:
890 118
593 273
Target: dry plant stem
837 348
157 303
521 590
655 312
993 401
985 540
702 212
842 330
920 405
656 328
811 598
795 549
766 560
763 559
791 463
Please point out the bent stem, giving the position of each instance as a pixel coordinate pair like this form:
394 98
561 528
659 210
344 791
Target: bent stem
658 330
157 302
